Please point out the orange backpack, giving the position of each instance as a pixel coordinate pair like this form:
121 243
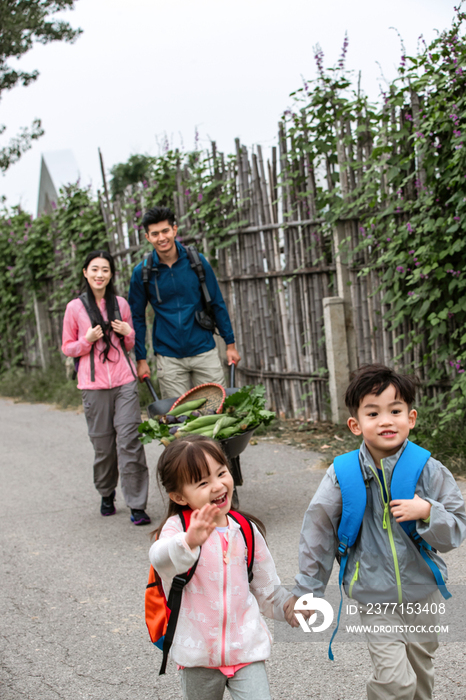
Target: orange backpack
162 615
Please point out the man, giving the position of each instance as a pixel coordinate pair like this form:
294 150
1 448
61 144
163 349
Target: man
185 351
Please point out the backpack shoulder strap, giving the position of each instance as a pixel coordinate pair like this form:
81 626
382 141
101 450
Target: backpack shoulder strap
198 267
148 267
407 471
247 531
353 494
85 302
354 499
405 476
117 315
174 599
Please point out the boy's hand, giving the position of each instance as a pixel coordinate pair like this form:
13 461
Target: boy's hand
201 526
289 611
410 509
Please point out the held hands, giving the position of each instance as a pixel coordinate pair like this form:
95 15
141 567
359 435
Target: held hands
94 334
289 611
201 526
121 327
410 509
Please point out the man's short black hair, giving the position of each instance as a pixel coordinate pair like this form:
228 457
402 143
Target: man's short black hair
374 379
156 215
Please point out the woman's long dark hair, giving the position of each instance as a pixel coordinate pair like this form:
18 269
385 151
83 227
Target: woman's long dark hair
110 302
184 462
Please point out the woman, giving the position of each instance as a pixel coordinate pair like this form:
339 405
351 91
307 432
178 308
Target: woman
98 332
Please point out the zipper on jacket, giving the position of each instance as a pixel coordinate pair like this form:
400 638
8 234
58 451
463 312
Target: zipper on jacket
388 527
225 556
354 579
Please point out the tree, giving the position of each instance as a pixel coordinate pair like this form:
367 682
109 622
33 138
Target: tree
22 23
137 168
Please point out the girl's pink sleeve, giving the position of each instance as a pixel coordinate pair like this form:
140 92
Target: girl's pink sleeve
126 316
73 345
265 585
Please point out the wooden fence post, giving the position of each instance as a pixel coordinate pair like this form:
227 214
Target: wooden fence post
337 355
340 235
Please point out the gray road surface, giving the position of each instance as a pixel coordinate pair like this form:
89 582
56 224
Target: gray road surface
72 587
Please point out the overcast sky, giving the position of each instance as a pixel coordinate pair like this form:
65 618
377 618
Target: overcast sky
146 68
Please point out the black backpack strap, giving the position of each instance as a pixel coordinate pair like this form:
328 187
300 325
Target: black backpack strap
198 267
85 301
117 315
148 267
174 604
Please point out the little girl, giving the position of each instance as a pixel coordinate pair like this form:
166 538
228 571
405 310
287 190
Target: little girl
220 638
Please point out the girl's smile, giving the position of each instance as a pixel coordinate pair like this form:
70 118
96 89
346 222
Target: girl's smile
214 488
98 274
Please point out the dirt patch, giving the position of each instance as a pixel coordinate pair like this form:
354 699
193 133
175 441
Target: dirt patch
328 439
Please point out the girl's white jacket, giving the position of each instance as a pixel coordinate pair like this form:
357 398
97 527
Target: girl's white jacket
220 622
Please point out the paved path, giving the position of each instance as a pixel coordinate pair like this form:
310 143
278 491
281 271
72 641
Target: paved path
72 582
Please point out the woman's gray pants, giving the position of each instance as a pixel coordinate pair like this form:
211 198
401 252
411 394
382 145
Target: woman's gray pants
113 416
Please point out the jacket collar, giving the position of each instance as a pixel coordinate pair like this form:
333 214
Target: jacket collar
232 524
367 461
181 254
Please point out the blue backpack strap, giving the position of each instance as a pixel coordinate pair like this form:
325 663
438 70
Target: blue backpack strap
403 485
354 498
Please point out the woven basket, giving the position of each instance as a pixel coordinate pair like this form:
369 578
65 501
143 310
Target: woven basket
214 393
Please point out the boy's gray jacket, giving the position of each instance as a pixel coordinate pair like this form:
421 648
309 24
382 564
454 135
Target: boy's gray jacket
384 564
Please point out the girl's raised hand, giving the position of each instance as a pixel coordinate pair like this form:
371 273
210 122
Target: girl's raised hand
201 526
121 327
93 334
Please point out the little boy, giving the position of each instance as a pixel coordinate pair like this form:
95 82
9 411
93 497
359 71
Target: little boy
385 564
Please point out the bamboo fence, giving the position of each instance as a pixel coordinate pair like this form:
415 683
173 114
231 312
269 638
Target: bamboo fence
275 270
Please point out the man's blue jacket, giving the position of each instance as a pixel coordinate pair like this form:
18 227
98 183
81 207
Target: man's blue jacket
175 332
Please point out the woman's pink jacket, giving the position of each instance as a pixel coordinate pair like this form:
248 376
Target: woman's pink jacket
112 373
220 621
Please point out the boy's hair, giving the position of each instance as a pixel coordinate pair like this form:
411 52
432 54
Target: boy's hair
156 215
374 379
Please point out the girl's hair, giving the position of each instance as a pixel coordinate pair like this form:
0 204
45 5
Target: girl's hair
184 462
110 302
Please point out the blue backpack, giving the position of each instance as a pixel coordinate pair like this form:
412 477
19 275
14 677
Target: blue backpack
353 492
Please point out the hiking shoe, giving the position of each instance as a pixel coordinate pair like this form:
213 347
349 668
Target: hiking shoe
107 507
139 517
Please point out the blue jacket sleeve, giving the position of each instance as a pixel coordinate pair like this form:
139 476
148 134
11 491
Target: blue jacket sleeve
138 302
222 318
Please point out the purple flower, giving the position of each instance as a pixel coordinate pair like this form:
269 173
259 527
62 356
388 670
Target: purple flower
408 226
199 197
456 218
389 239
400 268
54 205
410 294
411 252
